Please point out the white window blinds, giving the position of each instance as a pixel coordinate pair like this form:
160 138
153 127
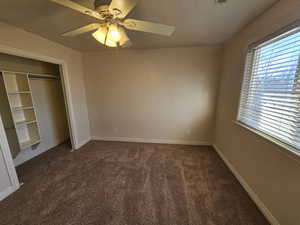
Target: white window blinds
270 97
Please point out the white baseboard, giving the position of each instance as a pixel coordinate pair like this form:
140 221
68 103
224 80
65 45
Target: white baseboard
25 156
263 208
29 153
6 192
150 140
82 143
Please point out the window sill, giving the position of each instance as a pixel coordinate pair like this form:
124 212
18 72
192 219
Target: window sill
286 149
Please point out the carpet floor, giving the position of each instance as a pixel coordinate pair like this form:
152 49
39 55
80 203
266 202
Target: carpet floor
114 183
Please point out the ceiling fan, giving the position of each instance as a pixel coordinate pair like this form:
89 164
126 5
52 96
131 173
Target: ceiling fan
111 15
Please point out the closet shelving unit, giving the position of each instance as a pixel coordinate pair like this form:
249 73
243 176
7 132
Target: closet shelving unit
22 108
18 109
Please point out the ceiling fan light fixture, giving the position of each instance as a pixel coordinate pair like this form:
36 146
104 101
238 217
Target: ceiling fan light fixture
111 43
102 36
124 41
114 33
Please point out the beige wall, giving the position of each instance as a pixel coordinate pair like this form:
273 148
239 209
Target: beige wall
35 45
265 166
165 94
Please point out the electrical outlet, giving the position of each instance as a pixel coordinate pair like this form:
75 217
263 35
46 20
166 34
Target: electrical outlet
220 1
116 130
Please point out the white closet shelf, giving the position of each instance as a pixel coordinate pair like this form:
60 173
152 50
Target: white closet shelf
22 108
19 92
15 72
24 122
30 143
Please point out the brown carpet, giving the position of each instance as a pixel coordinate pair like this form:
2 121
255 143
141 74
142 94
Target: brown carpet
114 183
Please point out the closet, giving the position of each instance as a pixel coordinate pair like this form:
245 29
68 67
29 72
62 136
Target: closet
32 106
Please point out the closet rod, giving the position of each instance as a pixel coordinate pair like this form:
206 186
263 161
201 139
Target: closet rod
43 76
33 75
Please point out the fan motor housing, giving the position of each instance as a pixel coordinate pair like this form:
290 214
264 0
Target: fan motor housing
98 3
101 5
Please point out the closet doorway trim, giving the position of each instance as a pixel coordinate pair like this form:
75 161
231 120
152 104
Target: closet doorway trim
65 84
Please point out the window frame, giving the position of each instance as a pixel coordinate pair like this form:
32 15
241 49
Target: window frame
279 34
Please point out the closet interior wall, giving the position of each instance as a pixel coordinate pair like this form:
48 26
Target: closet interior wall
48 100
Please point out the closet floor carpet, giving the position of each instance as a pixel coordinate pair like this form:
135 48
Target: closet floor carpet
114 183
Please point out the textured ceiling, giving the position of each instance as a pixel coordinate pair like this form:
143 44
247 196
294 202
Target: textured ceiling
198 22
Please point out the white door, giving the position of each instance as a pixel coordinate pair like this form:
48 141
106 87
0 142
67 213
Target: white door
9 182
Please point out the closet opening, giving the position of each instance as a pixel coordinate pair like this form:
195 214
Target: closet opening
32 106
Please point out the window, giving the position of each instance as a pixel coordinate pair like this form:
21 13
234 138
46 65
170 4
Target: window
270 97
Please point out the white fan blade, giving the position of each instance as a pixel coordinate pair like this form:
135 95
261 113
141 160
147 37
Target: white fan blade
148 27
124 6
82 30
79 8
